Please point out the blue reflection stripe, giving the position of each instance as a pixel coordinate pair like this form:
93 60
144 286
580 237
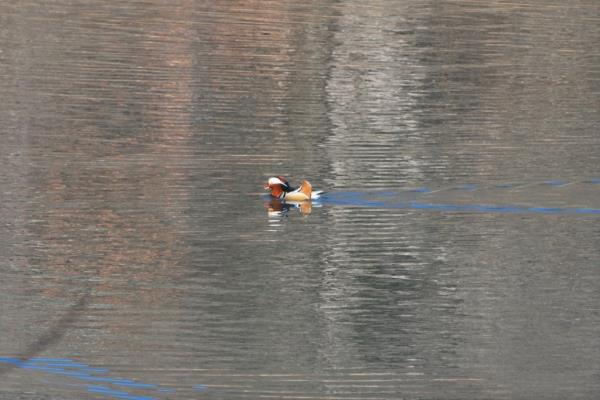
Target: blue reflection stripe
63 364
95 370
585 211
11 360
116 393
549 210
82 372
362 200
50 360
42 368
90 378
121 382
200 388
74 374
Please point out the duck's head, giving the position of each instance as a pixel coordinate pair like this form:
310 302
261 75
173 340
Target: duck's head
277 185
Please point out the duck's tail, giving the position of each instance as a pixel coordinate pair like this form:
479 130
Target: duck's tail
316 194
306 188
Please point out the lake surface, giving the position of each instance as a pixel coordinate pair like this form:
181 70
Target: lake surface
454 256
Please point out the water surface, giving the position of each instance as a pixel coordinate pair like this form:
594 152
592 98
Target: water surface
454 139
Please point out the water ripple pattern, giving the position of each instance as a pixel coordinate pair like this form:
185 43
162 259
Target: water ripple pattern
454 255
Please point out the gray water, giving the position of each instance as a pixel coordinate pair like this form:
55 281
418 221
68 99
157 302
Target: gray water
455 256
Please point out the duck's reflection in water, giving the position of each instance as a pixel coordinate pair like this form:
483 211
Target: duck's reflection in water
278 209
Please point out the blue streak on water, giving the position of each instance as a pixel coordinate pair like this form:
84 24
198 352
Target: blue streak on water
548 210
94 370
200 388
120 382
10 360
53 370
360 199
51 360
387 193
83 373
68 364
74 374
65 364
585 211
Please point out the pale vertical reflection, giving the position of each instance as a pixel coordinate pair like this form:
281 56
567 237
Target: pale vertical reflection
372 93
375 141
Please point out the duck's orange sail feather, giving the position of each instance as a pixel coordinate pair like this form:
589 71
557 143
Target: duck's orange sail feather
306 188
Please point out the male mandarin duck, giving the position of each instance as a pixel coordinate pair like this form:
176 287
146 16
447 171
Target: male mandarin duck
281 189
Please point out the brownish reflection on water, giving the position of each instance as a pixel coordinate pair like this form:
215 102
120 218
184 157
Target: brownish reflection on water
105 153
